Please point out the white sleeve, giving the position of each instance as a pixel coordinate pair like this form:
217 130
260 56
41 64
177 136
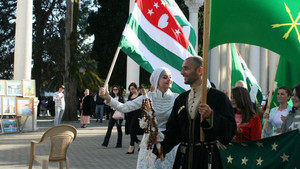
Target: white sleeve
126 107
268 131
56 97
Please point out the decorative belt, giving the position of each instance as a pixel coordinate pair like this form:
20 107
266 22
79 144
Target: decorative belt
184 145
208 145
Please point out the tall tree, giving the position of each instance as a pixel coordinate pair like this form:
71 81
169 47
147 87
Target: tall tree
7 38
42 11
107 25
70 79
79 67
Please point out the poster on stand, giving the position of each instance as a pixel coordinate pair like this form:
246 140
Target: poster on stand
2 87
28 88
24 106
10 125
8 105
14 88
1 127
1 106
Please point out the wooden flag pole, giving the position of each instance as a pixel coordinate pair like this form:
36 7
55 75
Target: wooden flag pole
205 59
229 65
271 90
111 67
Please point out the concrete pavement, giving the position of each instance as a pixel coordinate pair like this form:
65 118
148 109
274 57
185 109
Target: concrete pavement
85 152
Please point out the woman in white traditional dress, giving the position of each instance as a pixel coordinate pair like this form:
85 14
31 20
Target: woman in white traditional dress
162 100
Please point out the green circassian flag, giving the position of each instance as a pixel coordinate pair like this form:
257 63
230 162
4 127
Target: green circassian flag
274 25
157 34
278 152
287 75
240 71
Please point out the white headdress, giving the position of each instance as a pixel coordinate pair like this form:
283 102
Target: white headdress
156 75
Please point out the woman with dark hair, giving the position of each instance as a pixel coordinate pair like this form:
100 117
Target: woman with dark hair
132 119
248 123
116 94
277 115
292 120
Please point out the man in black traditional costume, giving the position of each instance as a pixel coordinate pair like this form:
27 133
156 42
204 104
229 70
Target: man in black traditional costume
183 126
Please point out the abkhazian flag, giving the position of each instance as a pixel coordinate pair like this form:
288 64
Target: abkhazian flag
281 152
157 34
240 71
272 24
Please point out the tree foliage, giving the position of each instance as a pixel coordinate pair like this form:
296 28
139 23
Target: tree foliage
107 25
48 45
7 38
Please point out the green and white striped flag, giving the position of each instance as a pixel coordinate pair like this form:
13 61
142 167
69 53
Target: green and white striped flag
240 71
157 34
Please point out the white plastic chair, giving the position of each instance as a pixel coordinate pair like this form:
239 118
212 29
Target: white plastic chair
61 137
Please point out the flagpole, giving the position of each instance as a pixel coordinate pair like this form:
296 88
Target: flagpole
254 95
111 67
205 60
229 63
271 90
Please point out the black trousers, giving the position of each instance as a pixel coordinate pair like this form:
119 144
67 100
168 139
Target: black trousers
111 124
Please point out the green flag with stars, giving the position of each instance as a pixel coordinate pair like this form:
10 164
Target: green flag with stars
278 152
272 24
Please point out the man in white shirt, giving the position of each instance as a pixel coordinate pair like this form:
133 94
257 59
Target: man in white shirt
59 99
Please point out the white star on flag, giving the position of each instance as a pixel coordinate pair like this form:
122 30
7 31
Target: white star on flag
274 146
259 161
284 157
177 31
229 159
163 3
150 12
259 144
244 161
156 5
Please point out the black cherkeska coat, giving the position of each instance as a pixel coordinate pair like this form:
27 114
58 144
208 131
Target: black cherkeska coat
179 130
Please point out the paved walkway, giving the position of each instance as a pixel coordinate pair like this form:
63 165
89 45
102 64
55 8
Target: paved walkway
85 152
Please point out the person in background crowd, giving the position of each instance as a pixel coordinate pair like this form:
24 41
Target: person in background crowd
59 99
132 119
51 106
292 121
43 106
241 83
116 94
99 110
248 123
278 114
86 108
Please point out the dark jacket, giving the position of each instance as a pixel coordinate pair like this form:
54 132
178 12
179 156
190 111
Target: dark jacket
180 128
87 105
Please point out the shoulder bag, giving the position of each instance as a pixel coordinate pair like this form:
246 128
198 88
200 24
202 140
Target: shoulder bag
118 115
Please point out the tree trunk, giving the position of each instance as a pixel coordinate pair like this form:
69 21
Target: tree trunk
38 47
70 78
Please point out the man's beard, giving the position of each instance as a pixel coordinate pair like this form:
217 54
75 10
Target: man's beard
192 78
